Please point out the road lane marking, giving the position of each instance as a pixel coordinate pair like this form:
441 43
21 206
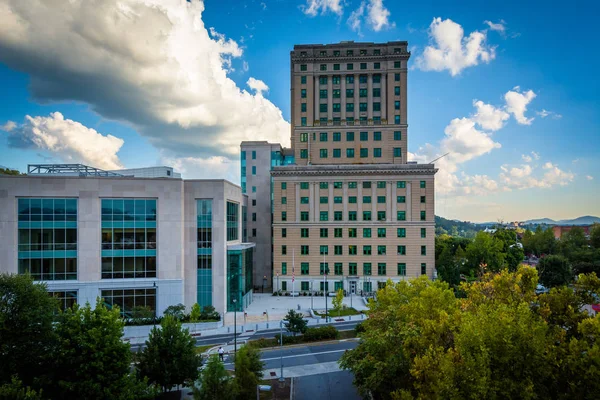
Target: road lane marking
299 355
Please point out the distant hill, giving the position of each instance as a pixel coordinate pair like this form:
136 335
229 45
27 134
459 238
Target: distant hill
586 220
458 228
540 221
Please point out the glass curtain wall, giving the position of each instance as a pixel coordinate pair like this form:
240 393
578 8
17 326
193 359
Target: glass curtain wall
204 238
47 238
128 238
233 221
239 278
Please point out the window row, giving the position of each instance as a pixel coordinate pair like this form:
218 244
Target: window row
362 52
130 302
323 121
128 210
38 209
350 153
352 232
128 238
353 250
353 215
336 108
352 269
353 185
351 200
350 93
349 66
38 239
337 136
49 269
128 267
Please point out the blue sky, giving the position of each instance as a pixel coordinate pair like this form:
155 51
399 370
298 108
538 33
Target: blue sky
131 83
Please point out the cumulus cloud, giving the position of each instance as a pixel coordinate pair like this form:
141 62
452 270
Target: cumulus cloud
516 104
471 137
355 19
589 177
313 7
257 85
528 177
150 63
8 126
450 50
375 14
500 26
545 113
529 158
489 117
69 140
378 16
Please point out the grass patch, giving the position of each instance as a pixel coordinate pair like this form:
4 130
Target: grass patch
202 349
312 335
348 334
342 313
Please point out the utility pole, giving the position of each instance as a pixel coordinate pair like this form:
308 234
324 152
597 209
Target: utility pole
234 329
325 288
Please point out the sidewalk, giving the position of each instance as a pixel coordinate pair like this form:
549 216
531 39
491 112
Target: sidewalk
266 312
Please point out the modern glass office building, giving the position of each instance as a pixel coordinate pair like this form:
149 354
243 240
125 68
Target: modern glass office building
136 242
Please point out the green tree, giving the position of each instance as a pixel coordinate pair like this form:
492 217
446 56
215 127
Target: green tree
16 391
195 313
295 322
420 341
595 236
90 360
447 267
177 311
485 250
215 382
248 372
555 271
8 171
26 332
169 358
338 301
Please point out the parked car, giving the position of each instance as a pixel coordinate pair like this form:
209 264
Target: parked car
540 289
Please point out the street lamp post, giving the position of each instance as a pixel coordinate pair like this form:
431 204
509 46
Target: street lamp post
154 316
311 296
281 378
234 328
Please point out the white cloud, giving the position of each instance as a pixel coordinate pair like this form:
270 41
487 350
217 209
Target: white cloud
575 161
516 104
313 7
69 140
529 158
245 66
489 117
195 167
451 50
257 85
150 63
378 16
545 113
263 5
355 19
8 126
528 177
500 26
589 177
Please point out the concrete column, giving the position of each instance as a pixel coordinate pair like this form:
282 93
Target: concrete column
383 96
394 201
359 201
330 186
343 94
408 201
370 96
297 192
311 201
316 96
329 97
374 200
356 98
345 200
389 201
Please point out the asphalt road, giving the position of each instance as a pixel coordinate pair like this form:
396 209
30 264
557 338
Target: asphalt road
304 355
332 386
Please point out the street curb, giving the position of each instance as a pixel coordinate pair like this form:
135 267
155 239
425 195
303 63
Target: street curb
291 346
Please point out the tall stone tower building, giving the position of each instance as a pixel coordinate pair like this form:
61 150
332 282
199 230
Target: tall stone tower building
347 203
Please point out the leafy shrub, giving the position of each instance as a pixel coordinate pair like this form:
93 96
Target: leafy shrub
177 311
289 339
196 313
209 312
359 328
327 332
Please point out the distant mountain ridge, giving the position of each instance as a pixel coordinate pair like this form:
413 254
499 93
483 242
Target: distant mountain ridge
584 220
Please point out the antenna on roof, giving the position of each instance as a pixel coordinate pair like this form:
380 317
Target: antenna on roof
431 162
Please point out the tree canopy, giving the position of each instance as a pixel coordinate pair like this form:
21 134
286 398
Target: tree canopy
500 341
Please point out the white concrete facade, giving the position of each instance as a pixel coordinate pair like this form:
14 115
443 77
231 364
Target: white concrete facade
176 222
